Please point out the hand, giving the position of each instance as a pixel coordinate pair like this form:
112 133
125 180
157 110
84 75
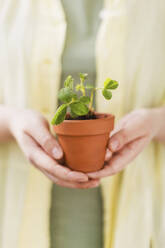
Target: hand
131 136
31 131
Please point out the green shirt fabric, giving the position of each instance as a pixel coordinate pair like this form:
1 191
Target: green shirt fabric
76 215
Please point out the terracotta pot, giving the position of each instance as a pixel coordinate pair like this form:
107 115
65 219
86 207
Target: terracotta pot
84 142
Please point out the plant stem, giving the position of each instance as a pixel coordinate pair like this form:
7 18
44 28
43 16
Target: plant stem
91 100
71 102
99 88
83 91
82 87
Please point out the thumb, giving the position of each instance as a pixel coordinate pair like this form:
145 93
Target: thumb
52 147
123 137
46 140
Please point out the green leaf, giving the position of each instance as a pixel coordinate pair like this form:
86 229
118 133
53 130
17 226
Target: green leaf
85 99
114 85
83 76
66 94
106 83
107 94
73 115
78 87
110 84
59 115
89 86
79 108
69 82
75 97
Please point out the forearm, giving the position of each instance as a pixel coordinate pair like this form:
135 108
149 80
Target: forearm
160 118
5 113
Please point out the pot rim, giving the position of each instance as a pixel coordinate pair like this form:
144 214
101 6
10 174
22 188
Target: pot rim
99 126
102 115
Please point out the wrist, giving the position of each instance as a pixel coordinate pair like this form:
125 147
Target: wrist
159 118
7 116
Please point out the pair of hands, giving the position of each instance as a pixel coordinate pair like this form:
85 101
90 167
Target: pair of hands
132 134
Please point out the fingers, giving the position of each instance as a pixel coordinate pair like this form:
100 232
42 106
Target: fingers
43 161
45 139
122 123
90 184
108 155
135 125
123 137
121 159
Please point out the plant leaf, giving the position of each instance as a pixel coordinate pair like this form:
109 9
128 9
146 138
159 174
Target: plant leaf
73 115
85 99
110 84
114 85
69 82
79 108
59 115
78 87
107 94
75 97
89 86
83 76
106 83
66 94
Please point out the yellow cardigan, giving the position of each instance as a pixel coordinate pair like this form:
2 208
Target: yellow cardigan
130 47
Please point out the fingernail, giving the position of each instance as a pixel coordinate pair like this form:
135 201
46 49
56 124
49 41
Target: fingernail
57 153
79 178
114 144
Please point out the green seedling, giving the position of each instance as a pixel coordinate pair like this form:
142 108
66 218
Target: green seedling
78 100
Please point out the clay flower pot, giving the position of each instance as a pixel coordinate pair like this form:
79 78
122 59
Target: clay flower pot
84 142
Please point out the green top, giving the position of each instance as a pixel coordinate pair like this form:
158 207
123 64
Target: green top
76 215
79 53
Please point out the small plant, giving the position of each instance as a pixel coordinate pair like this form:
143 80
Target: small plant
80 104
